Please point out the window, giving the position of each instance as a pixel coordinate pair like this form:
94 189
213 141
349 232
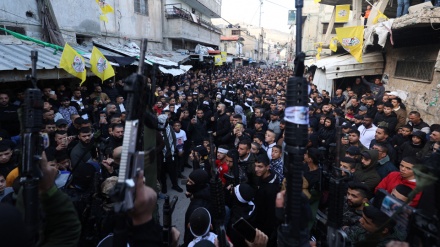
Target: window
418 70
235 32
141 7
336 25
16 29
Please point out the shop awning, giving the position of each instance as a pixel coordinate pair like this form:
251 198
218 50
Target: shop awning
16 64
16 56
161 57
169 61
115 59
341 66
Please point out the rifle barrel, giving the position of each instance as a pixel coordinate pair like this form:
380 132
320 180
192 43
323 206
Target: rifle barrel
144 44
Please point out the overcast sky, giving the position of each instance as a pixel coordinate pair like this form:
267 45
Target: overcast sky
274 12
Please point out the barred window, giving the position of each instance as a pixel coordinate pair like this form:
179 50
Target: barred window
141 7
235 32
417 70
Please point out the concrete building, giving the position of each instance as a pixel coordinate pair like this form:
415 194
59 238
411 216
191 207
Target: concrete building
188 23
167 24
239 42
79 20
413 62
403 51
272 44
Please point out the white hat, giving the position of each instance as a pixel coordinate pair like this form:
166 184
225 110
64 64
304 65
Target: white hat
394 93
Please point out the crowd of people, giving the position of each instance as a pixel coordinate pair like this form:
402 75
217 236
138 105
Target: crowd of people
380 146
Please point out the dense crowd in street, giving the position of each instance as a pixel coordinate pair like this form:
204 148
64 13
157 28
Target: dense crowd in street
380 146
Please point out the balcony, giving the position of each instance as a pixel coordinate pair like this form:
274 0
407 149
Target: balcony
183 24
210 8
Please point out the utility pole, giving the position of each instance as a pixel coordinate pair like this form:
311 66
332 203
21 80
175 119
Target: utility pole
261 6
260 38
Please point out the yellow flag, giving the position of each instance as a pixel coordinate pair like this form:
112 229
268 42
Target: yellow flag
73 63
319 50
100 66
224 54
218 60
334 44
317 1
103 18
380 17
105 7
342 13
352 39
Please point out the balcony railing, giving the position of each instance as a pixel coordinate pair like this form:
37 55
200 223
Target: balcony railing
173 12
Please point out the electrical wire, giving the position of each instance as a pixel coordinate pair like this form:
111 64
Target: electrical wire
277 4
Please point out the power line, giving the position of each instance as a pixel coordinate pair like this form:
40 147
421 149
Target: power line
277 4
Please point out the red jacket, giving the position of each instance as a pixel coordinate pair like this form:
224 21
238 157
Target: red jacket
222 168
393 179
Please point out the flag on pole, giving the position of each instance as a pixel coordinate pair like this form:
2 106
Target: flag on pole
224 55
319 50
380 17
73 63
342 13
100 66
352 40
334 44
105 7
218 60
103 18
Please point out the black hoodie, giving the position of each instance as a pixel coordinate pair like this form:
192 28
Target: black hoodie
368 174
408 148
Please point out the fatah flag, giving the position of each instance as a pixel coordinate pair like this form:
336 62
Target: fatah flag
352 40
380 17
342 13
319 50
105 7
73 63
334 44
100 66
218 60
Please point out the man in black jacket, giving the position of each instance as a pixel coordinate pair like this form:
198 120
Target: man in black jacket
197 129
222 123
265 198
9 115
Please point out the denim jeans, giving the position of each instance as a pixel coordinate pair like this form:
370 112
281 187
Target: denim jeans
402 4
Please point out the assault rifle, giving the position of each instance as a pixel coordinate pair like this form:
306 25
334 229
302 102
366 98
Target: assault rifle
293 232
132 160
168 209
31 149
218 198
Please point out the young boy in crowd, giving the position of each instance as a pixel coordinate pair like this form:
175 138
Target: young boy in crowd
403 135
